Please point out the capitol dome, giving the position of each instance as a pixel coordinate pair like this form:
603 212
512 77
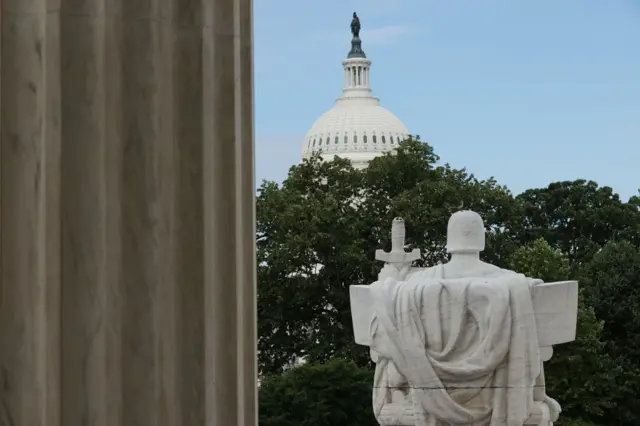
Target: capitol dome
357 127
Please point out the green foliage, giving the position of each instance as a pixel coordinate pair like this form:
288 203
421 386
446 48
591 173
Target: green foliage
581 375
576 217
327 213
410 185
310 220
612 288
336 393
306 222
612 285
540 260
564 421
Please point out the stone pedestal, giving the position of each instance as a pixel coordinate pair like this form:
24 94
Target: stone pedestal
127 213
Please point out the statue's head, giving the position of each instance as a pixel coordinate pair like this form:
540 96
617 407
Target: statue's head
355 15
465 232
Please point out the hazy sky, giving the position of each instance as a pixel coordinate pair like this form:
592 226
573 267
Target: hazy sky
526 91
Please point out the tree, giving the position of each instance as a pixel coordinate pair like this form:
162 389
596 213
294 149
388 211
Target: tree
336 393
581 375
612 288
327 213
311 220
540 260
572 422
317 233
577 217
410 184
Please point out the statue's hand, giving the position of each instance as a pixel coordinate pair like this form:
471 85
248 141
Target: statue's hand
390 271
404 271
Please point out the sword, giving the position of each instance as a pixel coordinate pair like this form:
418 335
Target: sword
397 256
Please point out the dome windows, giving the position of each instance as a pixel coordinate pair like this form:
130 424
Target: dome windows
373 138
340 137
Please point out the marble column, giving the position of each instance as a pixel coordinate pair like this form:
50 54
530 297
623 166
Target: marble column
127 224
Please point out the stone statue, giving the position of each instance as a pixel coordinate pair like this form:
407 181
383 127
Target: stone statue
355 25
461 343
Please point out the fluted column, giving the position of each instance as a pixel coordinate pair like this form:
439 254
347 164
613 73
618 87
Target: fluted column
127 222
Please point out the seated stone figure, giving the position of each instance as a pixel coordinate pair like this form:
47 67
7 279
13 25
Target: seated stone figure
456 344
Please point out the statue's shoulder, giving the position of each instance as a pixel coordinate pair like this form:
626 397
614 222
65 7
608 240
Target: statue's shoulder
425 272
482 269
490 270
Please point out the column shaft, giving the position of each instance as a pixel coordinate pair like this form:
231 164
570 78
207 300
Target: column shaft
127 216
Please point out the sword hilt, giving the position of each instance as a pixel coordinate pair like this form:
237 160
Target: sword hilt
397 255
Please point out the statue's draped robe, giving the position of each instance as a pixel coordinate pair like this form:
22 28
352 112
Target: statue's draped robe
467 347
355 27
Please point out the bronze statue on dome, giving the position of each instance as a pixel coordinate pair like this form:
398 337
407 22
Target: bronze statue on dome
355 25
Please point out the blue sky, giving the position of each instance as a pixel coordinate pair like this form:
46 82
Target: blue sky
526 91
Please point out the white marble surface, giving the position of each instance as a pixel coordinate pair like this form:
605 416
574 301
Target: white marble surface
555 306
556 309
462 343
